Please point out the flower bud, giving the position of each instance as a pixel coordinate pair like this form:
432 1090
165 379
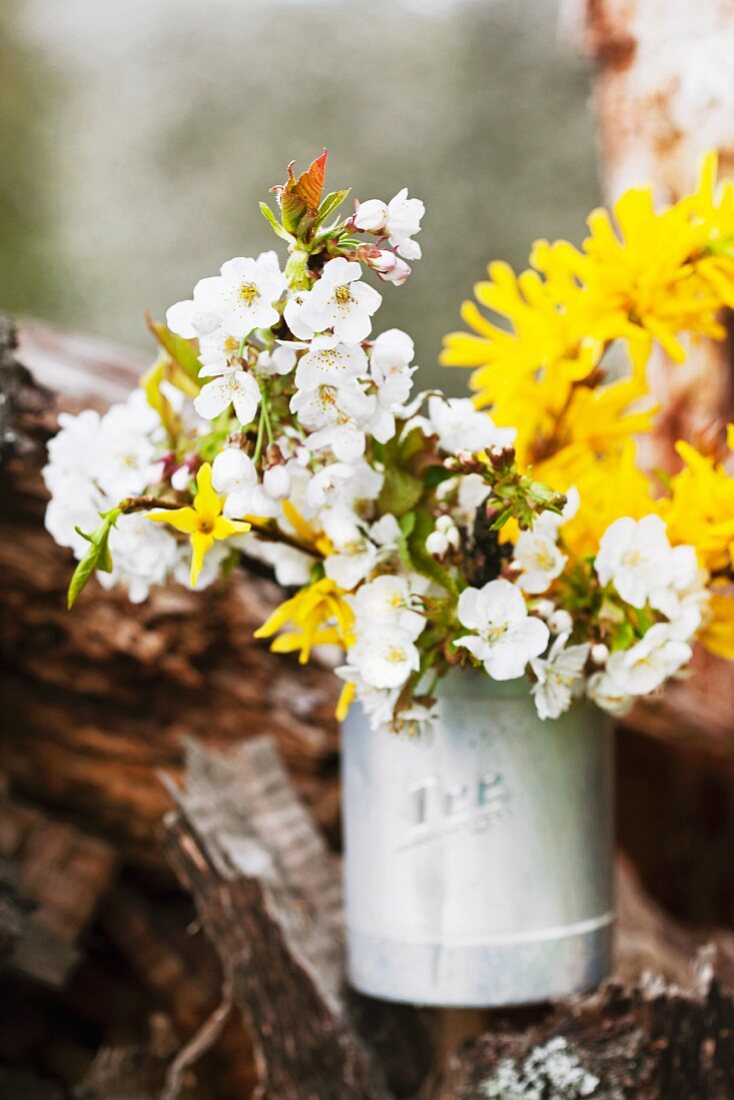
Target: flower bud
277 482
437 544
371 215
444 524
599 653
453 538
389 267
180 478
544 608
560 621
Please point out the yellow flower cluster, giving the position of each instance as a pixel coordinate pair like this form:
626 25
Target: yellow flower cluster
317 615
551 362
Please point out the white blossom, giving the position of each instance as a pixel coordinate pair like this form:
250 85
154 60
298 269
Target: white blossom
685 599
378 704
195 317
437 544
635 556
460 427
355 555
296 313
234 475
70 508
539 559
444 537
328 362
217 353
371 216
385 533
337 416
241 298
603 690
322 488
470 491
386 601
392 374
558 675
504 637
127 448
341 302
237 388
277 482
73 452
649 663
281 360
385 659
403 222
292 567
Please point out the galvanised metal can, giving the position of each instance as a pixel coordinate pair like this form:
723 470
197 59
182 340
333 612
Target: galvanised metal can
478 859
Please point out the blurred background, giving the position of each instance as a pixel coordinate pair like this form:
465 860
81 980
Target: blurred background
137 136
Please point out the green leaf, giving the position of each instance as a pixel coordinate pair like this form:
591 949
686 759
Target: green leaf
500 520
97 556
299 197
400 492
413 444
435 475
183 352
423 562
406 524
293 209
275 225
331 203
624 637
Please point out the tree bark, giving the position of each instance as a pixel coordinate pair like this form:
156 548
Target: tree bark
663 98
97 700
268 895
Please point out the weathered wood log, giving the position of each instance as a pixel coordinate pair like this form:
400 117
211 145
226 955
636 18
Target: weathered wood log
97 700
651 1042
52 878
181 973
269 895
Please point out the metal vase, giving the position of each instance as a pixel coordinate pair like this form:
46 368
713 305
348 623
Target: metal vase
478 860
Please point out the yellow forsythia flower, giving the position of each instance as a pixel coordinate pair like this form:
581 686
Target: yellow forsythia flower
319 615
700 508
641 275
203 522
718 633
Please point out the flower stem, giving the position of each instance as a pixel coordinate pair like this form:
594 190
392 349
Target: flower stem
266 416
272 533
260 430
144 504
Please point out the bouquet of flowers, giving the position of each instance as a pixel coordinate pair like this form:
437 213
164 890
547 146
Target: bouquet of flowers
419 533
